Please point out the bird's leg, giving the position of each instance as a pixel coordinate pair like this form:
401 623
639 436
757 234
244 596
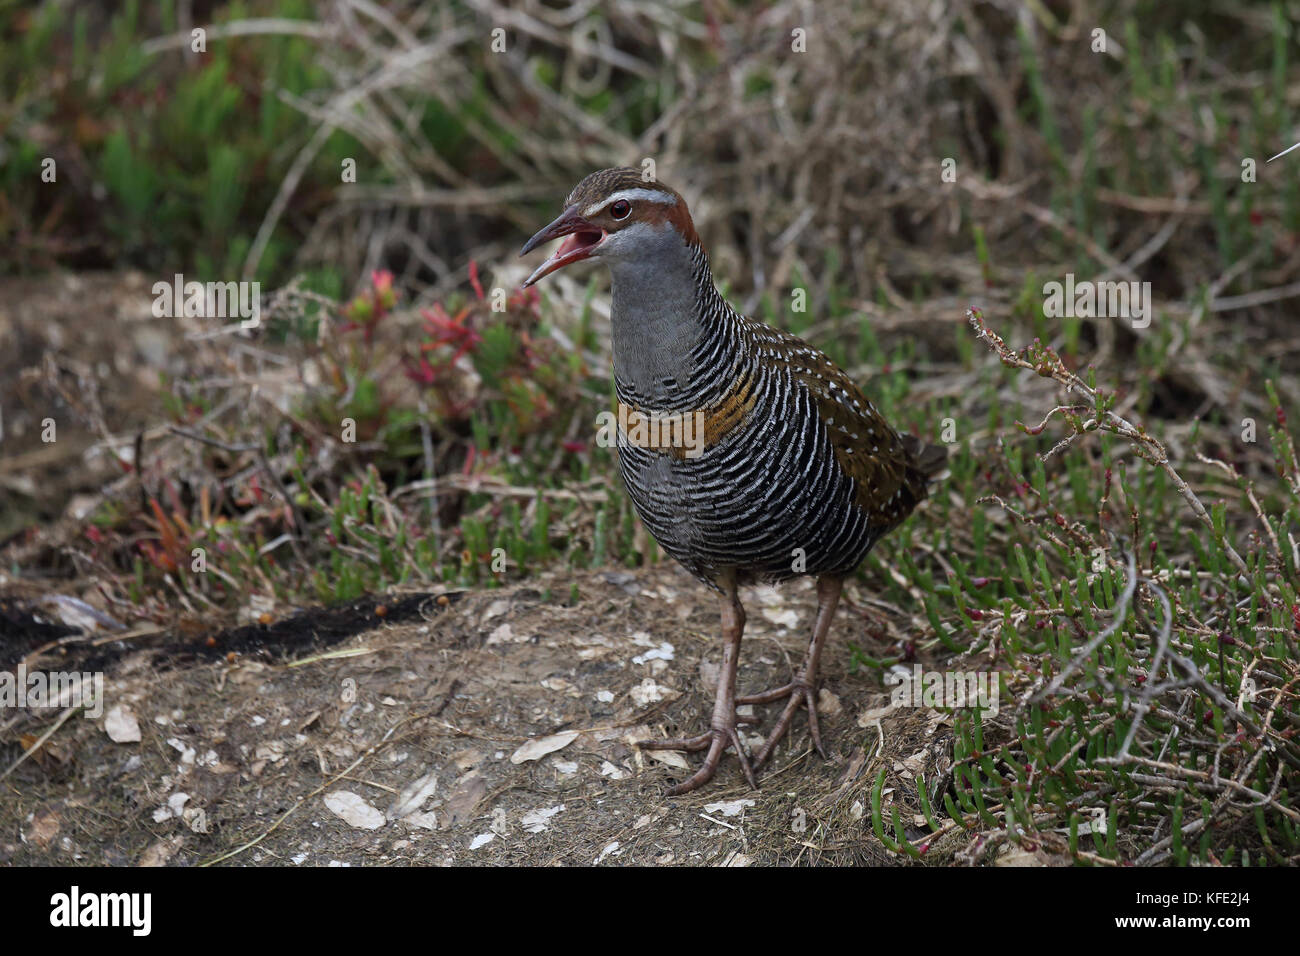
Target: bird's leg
722 729
803 689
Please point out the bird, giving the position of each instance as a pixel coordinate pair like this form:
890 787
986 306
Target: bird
748 454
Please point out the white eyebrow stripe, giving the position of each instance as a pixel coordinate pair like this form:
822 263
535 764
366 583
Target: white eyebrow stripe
649 195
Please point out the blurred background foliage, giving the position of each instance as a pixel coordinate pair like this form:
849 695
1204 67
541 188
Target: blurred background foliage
822 164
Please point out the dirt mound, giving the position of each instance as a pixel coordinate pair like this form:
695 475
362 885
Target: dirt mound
405 741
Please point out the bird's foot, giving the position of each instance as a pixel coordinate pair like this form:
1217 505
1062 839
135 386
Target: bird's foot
716 739
799 691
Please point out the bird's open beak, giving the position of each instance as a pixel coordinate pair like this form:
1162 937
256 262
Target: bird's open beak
583 237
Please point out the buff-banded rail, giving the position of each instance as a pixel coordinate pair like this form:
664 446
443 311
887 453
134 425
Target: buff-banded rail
748 454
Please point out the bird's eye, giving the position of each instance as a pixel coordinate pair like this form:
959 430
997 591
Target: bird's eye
620 209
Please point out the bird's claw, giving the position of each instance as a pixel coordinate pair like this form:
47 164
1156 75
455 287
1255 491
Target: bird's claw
716 739
798 691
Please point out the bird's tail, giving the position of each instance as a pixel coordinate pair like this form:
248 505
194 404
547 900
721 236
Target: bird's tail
928 459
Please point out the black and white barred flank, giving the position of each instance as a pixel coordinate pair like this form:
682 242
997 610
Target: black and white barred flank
770 499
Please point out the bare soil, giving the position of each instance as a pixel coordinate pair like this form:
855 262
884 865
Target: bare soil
264 728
